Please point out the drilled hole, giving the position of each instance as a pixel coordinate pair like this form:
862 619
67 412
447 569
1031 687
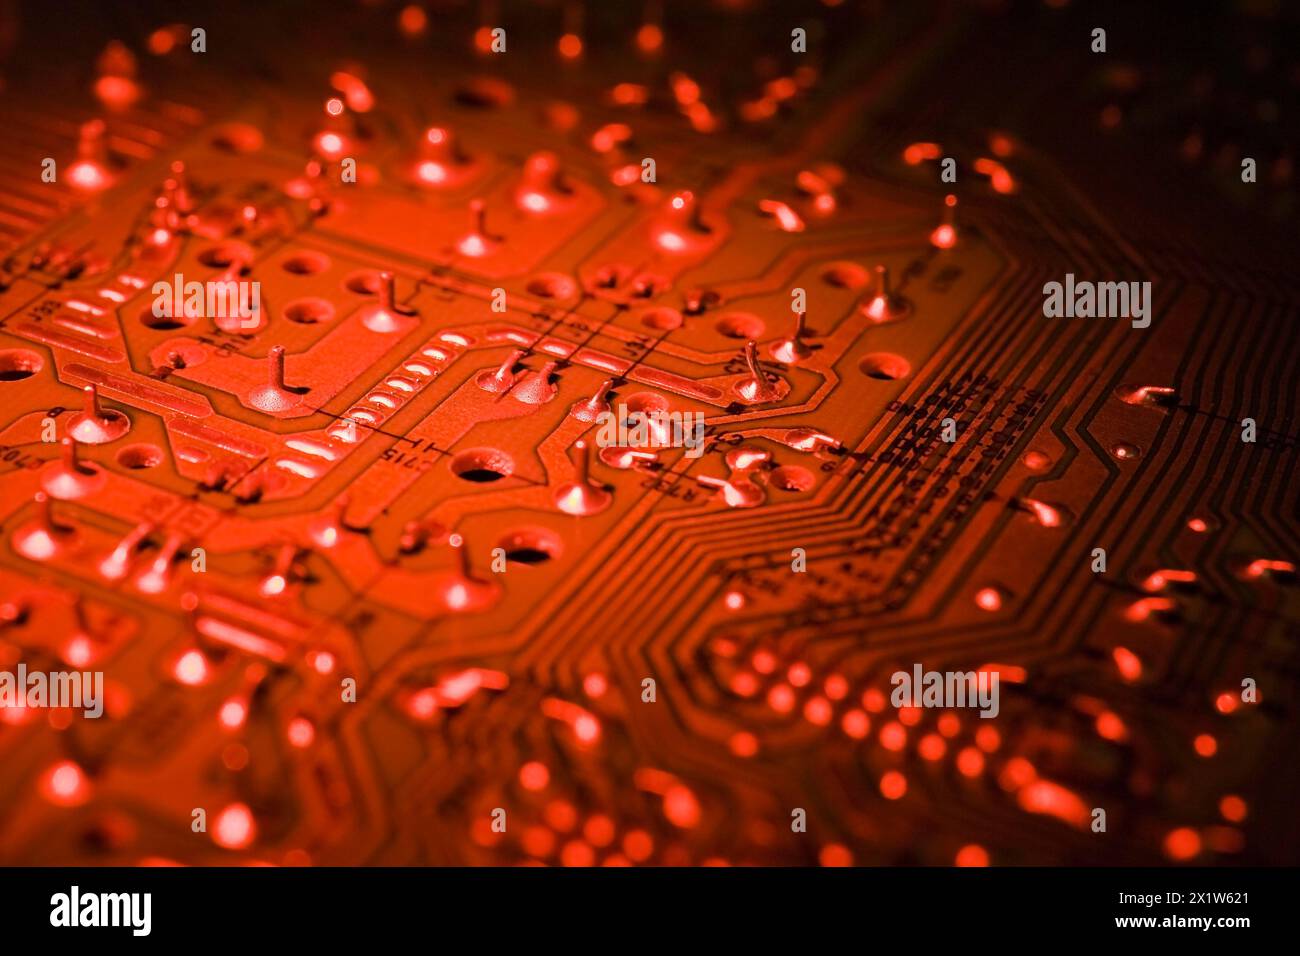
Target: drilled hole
482 465
741 325
140 456
226 254
363 283
846 275
885 365
18 364
552 285
530 545
306 263
308 311
166 323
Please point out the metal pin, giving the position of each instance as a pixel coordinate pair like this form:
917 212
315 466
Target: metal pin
114 567
45 514
617 456
177 189
478 242
276 362
581 496
500 380
589 409
158 576
70 477
439 146
884 305
275 395
43 537
756 388
945 234
793 349
71 459
90 141
536 389
457 544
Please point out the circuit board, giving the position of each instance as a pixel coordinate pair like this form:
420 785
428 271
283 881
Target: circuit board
369 582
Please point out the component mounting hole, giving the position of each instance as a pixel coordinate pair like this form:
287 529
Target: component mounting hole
885 366
482 465
139 456
306 263
846 275
363 283
225 254
530 545
308 311
165 323
741 325
552 285
18 364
